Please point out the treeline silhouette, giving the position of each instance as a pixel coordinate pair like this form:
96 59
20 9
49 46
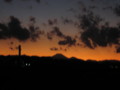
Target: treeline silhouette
26 72
41 63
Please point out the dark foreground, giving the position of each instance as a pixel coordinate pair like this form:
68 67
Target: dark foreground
24 73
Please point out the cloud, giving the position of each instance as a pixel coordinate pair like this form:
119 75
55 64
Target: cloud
72 10
117 10
118 49
92 0
52 22
54 49
94 31
89 20
67 41
8 1
32 19
67 21
56 31
101 37
38 1
94 34
14 30
11 48
35 33
49 36
11 43
58 49
82 7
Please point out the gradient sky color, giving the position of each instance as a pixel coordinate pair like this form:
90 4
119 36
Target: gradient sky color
56 9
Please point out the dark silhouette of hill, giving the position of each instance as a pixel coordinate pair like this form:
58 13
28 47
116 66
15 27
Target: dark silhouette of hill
51 72
73 58
59 56
58 61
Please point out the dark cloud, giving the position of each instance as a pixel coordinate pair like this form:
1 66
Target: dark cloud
3 31
52 22
72 10
67 41
32 19
92 0
82 7
78 44
56 31
101 37
8 1
118 50
65 50
94 34
38 1
94 30
89 20
67 21
58 49
49 36
14 30
11 48
117 10
34 33
54 49
11 43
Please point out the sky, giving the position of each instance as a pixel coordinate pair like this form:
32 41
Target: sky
85 29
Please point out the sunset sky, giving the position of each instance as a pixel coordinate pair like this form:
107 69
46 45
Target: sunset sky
86 29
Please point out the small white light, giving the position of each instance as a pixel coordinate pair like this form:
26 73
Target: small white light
26 64
29 64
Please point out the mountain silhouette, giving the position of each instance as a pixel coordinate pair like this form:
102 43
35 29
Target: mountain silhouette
73 58
59 56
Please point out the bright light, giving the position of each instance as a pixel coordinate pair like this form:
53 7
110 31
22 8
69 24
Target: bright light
27 64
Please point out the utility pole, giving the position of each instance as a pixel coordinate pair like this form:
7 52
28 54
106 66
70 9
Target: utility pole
19 50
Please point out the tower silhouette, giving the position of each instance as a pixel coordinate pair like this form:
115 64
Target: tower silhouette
19 50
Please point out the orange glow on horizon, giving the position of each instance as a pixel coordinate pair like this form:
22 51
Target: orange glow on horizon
42 48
